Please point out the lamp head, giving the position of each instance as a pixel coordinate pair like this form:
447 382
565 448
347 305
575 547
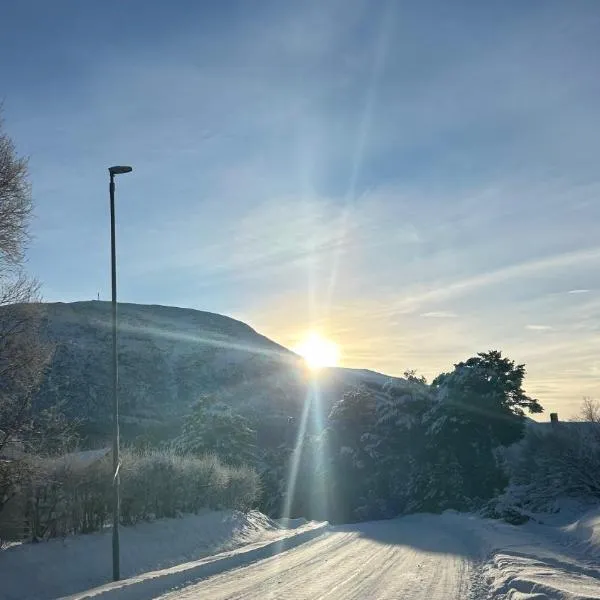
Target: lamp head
119 170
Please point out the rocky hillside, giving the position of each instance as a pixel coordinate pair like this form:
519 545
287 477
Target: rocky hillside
167 358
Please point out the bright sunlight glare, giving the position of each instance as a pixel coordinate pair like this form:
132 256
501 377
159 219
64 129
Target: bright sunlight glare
318 352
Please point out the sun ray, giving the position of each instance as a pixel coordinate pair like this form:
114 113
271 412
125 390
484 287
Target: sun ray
381 47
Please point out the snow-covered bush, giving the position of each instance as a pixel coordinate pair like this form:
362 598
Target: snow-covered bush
63 495
164 484
553 461
559 460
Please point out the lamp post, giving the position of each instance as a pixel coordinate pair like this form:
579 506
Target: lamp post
118 170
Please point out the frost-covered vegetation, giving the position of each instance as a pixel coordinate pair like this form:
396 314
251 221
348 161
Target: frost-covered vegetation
425 448
461 442
69 494
553 461
385 450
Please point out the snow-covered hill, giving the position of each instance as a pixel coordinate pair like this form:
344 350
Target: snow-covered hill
168 357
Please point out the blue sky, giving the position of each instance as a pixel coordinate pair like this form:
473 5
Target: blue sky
417 180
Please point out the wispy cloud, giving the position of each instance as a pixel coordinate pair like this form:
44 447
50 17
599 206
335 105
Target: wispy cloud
513 272
439 314
539 327
581 291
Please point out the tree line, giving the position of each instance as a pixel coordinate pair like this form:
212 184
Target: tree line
406 446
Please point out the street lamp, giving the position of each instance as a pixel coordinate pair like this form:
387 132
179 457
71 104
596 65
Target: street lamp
118 170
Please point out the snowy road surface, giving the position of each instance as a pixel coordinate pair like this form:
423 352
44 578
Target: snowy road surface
421 556
386 559
236 556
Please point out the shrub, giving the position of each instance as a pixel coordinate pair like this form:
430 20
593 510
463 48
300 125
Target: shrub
564 461
62 495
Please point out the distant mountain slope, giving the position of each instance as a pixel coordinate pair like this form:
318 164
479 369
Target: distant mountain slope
168 357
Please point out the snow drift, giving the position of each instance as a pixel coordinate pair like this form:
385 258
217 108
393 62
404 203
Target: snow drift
61 567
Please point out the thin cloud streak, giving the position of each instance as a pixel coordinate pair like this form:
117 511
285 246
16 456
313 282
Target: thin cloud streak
517 271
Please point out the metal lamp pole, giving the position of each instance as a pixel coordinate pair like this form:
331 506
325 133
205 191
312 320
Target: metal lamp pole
119 170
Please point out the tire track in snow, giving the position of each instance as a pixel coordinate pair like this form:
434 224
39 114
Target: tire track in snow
351 563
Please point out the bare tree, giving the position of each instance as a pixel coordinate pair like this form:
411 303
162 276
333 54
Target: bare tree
590 414
15 203
590 411
23 357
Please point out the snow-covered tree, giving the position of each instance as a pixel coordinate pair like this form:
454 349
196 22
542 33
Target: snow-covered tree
395 440
212 427
409 446
351 419
488 388
479 406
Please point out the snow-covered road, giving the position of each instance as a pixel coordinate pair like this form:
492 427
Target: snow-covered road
420 556
405 558
234 556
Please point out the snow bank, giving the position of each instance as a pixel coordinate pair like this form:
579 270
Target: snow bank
62 567
554 556
516 576
586 530
157 583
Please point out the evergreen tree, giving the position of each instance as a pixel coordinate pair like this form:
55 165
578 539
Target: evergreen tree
348 464
212 427
487 390
395 439
479 407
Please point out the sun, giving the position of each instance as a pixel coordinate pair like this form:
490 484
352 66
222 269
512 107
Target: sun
318 352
